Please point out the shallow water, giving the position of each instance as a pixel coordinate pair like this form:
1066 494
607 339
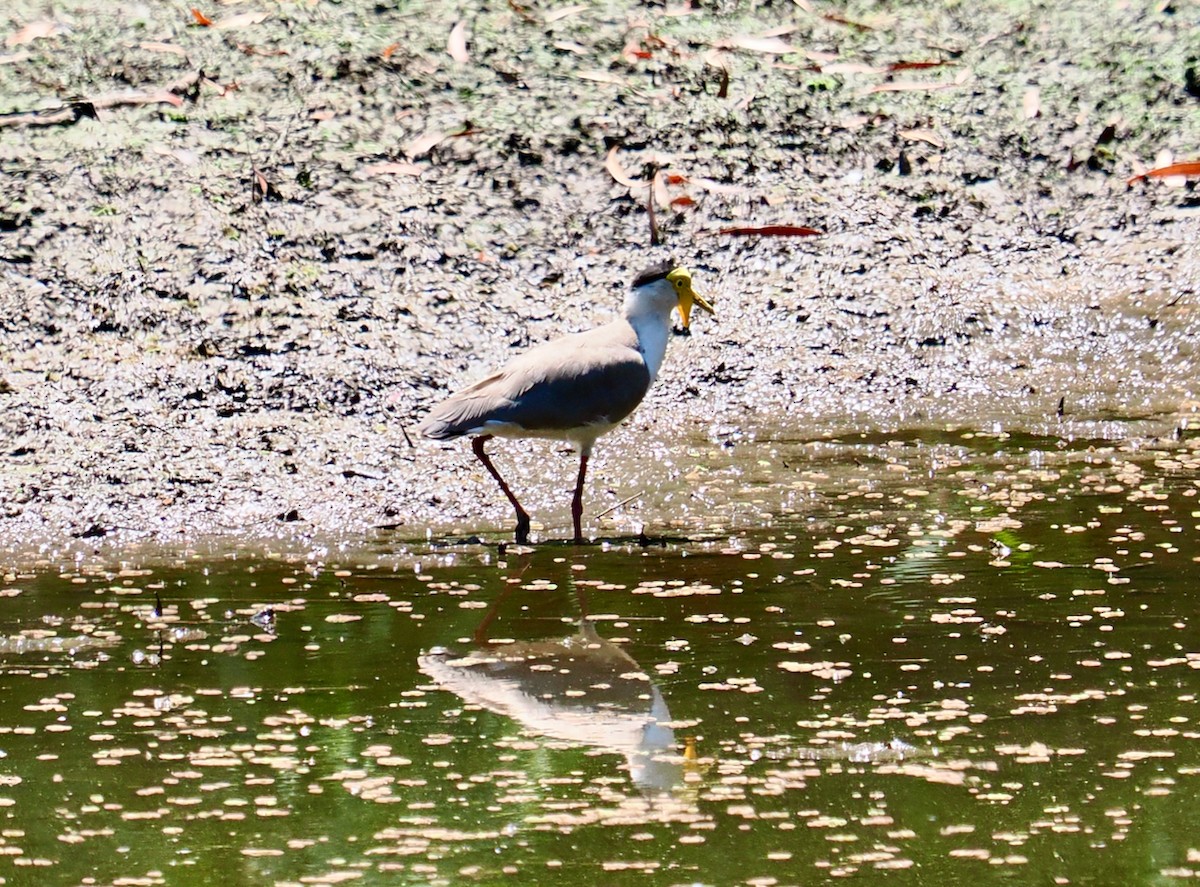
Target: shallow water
921 660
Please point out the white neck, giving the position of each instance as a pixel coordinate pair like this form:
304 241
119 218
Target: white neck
652 333
648 310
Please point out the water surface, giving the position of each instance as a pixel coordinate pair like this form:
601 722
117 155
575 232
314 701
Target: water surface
914 660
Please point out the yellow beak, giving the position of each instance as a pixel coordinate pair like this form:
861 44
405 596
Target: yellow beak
687 298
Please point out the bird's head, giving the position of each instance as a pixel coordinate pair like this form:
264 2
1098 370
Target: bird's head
681 280
668 286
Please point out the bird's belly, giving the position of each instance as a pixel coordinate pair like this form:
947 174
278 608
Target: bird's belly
582 435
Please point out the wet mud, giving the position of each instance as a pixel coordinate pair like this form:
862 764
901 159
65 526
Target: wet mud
274 240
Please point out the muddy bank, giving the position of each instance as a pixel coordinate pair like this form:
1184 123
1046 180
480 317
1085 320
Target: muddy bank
221 307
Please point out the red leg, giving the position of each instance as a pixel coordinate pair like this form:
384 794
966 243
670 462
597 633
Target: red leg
577 502
522 535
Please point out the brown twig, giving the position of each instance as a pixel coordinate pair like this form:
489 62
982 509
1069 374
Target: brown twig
73 111
624 501
655 237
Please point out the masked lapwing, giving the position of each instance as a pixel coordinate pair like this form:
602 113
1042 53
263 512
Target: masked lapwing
575 387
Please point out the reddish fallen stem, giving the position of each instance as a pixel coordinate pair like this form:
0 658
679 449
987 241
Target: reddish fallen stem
1185 168
772 231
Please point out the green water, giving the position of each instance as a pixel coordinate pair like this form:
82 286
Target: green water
928 663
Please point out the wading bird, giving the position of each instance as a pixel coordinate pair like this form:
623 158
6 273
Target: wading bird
575 387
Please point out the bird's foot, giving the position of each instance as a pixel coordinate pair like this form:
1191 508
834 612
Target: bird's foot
522 533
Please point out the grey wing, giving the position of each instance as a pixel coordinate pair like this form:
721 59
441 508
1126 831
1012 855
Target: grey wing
465 411
554 390
599 388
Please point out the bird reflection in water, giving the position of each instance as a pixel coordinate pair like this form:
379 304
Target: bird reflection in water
580 688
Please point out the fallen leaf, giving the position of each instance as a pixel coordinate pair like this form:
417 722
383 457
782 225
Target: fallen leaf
765 45
612 163
32 31
1186 168
200 18
772 231
1031 104
601 77
222 88
423 144
261 189
683 200
457 44
240 21
923 135
386 52
661 195
715 187
391 168
565 12
850 68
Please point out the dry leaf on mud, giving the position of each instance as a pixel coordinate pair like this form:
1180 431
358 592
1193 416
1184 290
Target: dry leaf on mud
565 12
850 68
661 195
241 20
1186 168
1031 103
715 187
456 46
262 188
390 168
612 163
423 144
766 45
32 31
601 77
923 135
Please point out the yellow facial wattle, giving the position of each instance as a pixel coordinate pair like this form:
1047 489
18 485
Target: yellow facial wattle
681 279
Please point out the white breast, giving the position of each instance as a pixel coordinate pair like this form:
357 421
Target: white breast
652 333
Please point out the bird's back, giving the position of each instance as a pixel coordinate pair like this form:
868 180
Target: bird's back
589 380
